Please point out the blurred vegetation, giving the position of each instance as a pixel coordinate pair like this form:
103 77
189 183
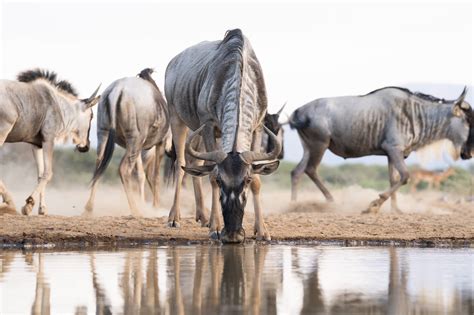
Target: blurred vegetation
367 176
73 168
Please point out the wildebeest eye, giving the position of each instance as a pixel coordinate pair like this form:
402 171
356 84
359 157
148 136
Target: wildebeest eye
248 180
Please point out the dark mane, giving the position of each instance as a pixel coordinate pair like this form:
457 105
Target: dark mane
232 44
423 96
145 74
50 76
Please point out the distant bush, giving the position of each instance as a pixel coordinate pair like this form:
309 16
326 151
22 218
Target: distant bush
366 176
73 168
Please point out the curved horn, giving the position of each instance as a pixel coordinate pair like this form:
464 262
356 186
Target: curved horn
281 109
214 156
460 100
90 98
250 156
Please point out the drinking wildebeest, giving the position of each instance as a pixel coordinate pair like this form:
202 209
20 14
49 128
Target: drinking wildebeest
391 121
40 110
270 121
132 113
217 89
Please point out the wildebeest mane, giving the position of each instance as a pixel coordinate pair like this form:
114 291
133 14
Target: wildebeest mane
230 56
145 74
50 76
423 96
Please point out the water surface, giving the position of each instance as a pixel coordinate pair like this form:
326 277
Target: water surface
234 279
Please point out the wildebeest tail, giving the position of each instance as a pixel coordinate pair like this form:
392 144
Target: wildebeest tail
169 168
110 144
298 120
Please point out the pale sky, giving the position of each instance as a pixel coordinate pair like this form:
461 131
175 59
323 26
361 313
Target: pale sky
307 49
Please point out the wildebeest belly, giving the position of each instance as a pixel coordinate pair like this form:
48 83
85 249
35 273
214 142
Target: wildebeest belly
25 132
353 149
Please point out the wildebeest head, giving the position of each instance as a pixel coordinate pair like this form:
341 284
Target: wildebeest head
233 173
463 110
271 121
80 134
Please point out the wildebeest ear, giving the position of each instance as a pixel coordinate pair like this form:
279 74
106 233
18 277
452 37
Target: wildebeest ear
201 170
265 168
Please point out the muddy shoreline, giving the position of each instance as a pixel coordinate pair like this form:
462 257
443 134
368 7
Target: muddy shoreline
76 232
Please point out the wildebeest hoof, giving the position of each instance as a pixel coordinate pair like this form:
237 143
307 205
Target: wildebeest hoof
374 207
42 210
397 210
27 209
203 219
86 213
174 224
214 235
262 236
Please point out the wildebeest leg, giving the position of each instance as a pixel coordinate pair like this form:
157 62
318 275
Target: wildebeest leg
394 177
259 228
45 178
215 223
102 142
141 177
159 152
7 205
296 174
126 168
39 159
396 157
315 157
179 131
202 214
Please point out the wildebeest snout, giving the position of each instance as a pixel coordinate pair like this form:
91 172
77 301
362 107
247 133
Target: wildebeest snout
83 149
233 237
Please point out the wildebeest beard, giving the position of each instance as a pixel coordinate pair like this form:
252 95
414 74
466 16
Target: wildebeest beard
232 194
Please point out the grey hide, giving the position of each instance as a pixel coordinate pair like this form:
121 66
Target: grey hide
217 90
41 110
390 121
133 114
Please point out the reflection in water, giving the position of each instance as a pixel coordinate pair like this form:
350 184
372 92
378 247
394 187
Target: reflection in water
236 279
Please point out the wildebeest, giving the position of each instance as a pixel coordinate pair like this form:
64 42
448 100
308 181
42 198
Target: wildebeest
390 121
132 113
217 89
271 121
39 109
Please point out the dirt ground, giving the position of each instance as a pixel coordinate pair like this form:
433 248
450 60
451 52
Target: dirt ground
429 219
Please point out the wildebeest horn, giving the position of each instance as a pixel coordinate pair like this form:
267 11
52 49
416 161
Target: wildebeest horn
87 100
214 156
281 109
250 156
460 99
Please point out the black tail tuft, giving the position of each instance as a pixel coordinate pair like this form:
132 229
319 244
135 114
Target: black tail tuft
109 151
169 168
298 121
